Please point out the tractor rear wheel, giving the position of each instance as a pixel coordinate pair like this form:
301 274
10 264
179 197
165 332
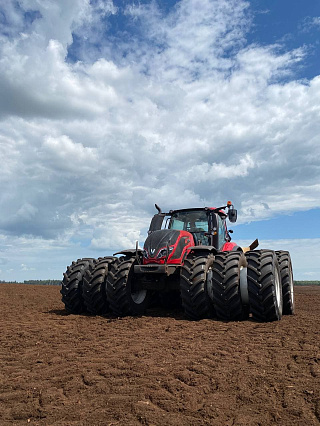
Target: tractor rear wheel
264 285
285 266
195 287
94 287
226 292
72 283
125 295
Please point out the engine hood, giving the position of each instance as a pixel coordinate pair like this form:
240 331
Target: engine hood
158 242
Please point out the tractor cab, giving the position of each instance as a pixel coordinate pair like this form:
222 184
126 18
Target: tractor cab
169 241
207 226
194 221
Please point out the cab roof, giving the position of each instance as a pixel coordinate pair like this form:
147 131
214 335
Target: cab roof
220 212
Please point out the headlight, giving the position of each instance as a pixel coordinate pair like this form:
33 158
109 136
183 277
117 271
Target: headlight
163 252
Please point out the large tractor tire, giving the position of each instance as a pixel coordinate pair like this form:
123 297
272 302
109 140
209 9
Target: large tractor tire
72 283
195 287
124 294
286 274
264 285
94 287
226 292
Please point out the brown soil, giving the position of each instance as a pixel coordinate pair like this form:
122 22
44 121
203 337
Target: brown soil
59 369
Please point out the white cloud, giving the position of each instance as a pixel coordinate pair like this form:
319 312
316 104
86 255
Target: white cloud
62 152
205 172
309 23
177 110
25 268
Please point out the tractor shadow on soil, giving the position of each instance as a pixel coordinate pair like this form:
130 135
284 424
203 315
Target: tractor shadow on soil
154 312
60 312
176 314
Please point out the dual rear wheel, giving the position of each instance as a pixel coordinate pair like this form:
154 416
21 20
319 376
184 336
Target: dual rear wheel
83 286
270 284
231 285
72 285
102 286
210 286
264 286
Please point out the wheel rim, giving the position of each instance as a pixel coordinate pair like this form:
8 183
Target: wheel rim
277 287
244 285
138 296
291 289
209 283
137 293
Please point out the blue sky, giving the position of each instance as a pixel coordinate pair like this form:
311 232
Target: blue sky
297 225
292 25
107 107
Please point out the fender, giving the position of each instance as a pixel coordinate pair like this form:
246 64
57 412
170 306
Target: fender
203 250
129 252
229 247
252 246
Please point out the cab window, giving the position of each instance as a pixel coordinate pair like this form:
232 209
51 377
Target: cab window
221 231
192 221
177 224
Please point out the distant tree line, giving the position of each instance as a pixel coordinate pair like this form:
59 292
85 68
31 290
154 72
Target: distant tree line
42 282
33 282
306 282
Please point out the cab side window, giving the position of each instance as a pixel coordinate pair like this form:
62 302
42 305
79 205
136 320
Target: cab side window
221 231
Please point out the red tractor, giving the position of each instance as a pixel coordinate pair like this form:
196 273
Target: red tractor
187 258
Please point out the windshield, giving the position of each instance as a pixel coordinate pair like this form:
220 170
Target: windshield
191 221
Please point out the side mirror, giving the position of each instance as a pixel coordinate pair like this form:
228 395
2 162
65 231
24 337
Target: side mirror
232 215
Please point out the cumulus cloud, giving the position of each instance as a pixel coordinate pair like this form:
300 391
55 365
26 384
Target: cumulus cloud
98 123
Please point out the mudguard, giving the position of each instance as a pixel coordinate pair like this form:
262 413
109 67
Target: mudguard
203 250
129 252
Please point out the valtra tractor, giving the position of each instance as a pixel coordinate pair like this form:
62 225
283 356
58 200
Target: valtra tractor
189 259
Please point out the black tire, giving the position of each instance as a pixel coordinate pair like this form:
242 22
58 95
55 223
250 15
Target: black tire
123 291
264 285
285 266
226 294
195 282
71 285
94 287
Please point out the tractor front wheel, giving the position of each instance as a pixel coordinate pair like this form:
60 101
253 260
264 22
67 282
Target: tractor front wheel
195 286
125 295
226 292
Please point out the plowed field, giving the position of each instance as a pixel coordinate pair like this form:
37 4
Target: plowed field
160 369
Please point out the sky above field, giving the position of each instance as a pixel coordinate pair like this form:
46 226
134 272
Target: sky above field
109 107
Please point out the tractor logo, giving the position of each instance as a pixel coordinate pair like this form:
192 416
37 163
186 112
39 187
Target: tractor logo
152 251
